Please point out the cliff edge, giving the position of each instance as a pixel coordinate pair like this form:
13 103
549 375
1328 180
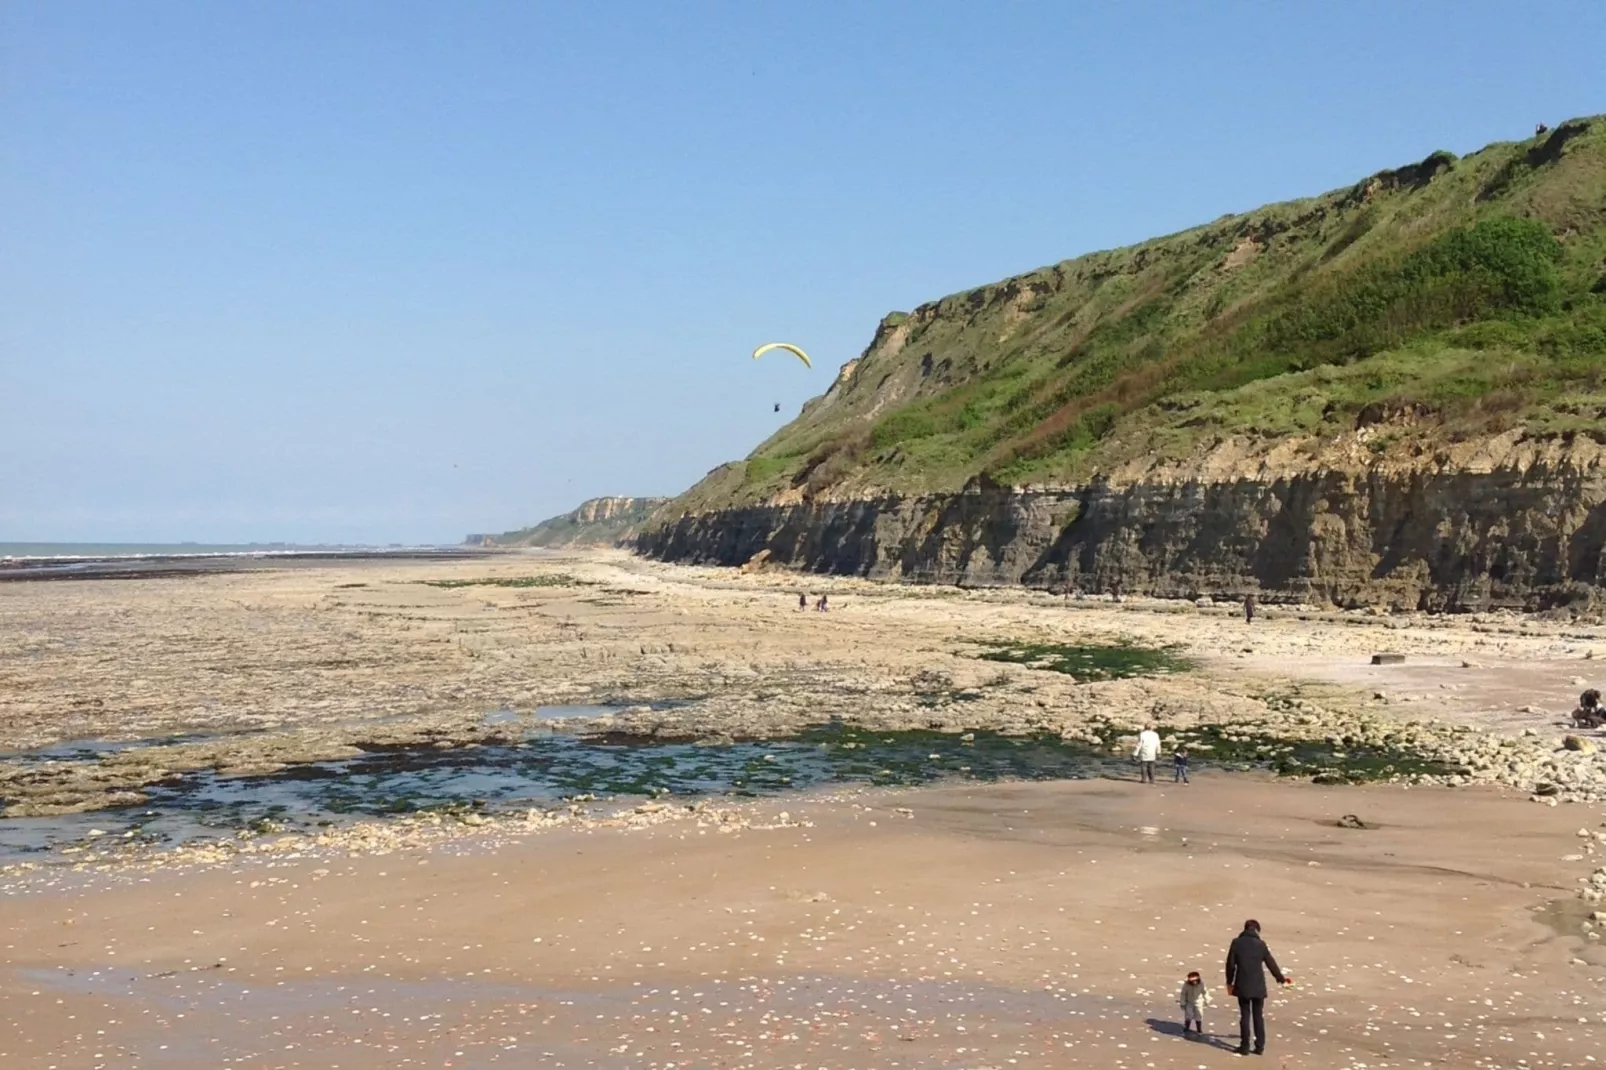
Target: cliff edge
597 522
1391 393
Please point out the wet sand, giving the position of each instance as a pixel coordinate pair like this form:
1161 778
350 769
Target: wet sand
1044 925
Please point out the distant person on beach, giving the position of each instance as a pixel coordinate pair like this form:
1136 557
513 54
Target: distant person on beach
1193 999
1247 960
1147 753
1179 765
802 600
1249 609
1588 714
822 607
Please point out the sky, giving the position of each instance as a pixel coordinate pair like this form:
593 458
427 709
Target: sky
396 272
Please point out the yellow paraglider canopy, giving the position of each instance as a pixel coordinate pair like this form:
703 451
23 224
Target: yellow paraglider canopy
788 346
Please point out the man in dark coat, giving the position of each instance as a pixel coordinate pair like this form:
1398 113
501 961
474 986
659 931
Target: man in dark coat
1247 960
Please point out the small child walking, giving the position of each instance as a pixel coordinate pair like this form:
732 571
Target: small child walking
1193 999
1179 765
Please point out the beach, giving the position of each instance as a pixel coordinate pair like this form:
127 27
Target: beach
956 922
1012 925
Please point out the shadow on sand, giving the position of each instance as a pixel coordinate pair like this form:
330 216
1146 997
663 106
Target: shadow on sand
1174 1029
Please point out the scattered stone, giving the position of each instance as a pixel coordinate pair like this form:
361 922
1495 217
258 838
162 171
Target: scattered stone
1387 659
1578 743
1350 821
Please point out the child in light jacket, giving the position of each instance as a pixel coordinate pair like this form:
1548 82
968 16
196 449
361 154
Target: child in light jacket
1193 999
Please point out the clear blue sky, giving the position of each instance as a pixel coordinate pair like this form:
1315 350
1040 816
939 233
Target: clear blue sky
399 271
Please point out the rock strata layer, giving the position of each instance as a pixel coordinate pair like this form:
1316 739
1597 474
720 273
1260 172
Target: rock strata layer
1528 537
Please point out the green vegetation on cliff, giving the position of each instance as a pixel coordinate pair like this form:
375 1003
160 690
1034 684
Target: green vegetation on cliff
598 522
1442 301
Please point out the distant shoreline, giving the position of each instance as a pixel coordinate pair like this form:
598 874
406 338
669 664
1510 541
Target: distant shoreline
157 565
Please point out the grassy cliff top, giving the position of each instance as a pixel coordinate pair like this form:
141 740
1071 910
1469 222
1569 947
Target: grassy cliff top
1448 300
598 522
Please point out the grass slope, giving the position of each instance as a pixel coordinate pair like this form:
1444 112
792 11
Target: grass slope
1448 299
599 522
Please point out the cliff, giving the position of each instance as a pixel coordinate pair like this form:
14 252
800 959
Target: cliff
598 522
1527 532
1391 393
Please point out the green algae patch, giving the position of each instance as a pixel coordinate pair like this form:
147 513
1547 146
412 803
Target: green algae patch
544 767
548 580
1347 761
1089 662
906 757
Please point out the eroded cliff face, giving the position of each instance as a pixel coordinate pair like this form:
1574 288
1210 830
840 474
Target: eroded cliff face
1525 536
602 510
1344 399
597 522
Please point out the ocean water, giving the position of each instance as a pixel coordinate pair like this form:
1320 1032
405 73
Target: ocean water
108 550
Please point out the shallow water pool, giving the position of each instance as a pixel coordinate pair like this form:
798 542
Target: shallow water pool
543 768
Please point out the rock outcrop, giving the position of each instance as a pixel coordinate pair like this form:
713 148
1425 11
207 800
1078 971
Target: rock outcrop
598 522
1526 537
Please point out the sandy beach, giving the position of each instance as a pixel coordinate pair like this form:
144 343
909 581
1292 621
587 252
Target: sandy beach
1015 925
960 924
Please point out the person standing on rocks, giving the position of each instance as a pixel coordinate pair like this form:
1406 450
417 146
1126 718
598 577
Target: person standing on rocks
1247 960
1147 753
1249 608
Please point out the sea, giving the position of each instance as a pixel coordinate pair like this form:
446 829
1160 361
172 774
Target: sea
105 550
112 560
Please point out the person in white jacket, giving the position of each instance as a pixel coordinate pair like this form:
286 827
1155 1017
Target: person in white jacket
1147 752
1193 999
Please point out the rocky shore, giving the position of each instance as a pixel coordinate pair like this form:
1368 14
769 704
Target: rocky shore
258 674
